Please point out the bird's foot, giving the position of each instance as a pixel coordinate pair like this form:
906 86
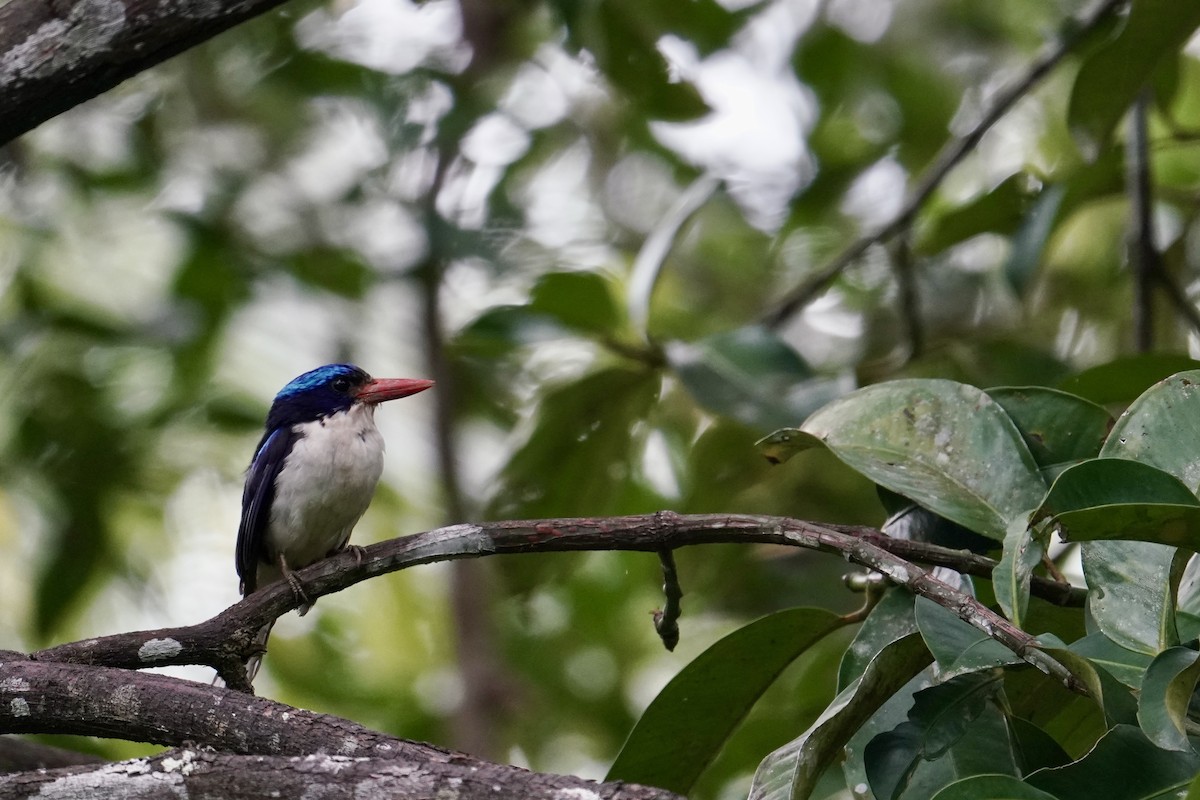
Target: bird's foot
360 553
294 582
297 589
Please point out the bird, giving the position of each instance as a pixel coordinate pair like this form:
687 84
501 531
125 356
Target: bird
312 476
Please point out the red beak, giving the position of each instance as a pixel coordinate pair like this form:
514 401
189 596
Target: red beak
381 389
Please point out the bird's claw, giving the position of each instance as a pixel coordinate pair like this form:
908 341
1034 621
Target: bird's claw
297 589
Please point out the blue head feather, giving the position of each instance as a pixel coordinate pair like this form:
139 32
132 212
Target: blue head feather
316 394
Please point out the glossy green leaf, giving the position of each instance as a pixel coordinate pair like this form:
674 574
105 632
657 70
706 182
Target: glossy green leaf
958 647
779 446
1133 592
1119 706
984 747
1162 428
1111 78
889 621
1135 583
686 725
578 300
892 713
1194 790
791 772
1167 689
1035 748
1115 498
1057 426
751 375
991 787
1127 666
1114 482
1124 765
939 718
947 446
1124 379
1011 577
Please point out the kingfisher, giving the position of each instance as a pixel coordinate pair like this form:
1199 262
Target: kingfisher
312 475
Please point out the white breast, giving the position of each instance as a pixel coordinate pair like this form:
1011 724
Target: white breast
325 485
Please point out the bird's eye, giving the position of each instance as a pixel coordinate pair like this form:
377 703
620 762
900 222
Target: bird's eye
341 384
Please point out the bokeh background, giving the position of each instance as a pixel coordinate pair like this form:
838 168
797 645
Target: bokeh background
578 217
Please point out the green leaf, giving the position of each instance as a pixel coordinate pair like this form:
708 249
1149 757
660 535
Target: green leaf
1111 78
999 210
791 772
750 375
889 621
579 300
1124 379
338 271
626 51
991 787
958 647
1162 428
1119 706
577 458
985 746
1012 575
1166 691
1057 427
1028 243
1035 748
779 446
685 726
939 718
1127 666
1124 765
947 446
1115 498
1135 583
1133 592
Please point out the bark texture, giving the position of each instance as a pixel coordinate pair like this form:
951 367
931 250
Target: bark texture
55 54
204 774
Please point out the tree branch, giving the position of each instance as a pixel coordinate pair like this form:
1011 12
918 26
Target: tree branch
947 159
55 54
300 746
19 755
230 634
200 773
89 700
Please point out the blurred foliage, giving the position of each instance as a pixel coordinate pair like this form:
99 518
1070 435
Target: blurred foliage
174 251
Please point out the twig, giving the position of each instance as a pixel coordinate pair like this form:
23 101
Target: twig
1144 258
666 622
947 158
657 247
1178 298
910 300
232 631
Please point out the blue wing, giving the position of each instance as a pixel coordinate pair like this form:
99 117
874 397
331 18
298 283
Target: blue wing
257 498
